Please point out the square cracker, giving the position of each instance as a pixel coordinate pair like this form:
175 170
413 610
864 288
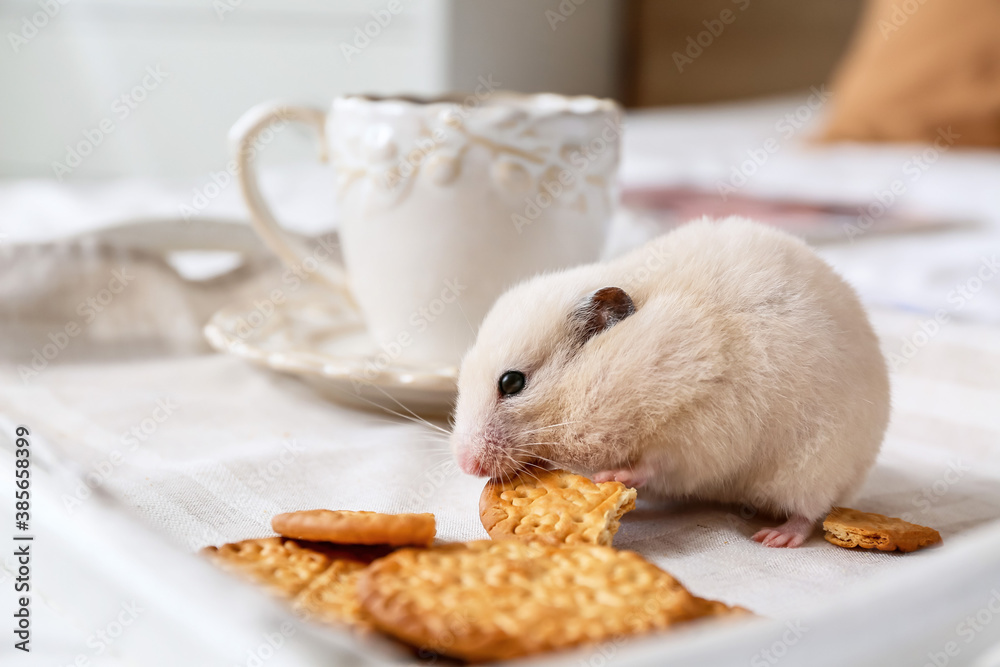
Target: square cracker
850 528
556 507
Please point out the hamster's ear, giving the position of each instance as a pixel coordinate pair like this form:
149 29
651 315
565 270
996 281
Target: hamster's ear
600 310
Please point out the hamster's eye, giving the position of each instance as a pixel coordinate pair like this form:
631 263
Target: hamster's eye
511 382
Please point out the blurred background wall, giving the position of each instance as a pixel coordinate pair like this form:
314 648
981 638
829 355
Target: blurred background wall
696 51
77 71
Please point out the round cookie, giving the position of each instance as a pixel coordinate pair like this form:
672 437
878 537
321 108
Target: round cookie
498 600
346 527
332 597
282 566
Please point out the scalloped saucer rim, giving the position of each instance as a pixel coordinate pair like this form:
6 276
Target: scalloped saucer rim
352 375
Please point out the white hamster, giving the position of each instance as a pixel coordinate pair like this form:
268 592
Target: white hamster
724 361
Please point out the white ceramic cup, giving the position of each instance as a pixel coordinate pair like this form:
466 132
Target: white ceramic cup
445 203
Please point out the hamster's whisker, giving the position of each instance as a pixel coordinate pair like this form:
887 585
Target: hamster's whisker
545 460
533 455
416 419
462 310
414 416
526 447
527 471
434 447
427 435
542 428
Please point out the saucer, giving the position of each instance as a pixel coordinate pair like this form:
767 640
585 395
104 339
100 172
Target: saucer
315 335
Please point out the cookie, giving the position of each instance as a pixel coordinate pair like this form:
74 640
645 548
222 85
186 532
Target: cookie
717 608
850 528
332 597
345 527
554 506
490 600
282 566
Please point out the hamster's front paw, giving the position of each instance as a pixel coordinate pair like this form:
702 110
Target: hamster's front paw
790 534
632 477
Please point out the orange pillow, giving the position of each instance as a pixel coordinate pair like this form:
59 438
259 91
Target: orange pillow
917 68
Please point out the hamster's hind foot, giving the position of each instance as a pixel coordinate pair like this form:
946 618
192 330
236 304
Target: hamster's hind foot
790 534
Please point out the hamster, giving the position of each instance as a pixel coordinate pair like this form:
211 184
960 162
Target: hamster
724 361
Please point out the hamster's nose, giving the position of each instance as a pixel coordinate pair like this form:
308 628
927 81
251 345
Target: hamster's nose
470 464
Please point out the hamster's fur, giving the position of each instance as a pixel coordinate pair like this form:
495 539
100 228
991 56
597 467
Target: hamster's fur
745 371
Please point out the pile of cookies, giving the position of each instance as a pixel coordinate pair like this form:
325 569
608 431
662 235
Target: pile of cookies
549 578
316 562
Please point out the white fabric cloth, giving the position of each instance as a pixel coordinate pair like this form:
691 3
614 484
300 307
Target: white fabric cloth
204 449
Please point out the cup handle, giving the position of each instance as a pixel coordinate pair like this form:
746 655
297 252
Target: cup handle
242 137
